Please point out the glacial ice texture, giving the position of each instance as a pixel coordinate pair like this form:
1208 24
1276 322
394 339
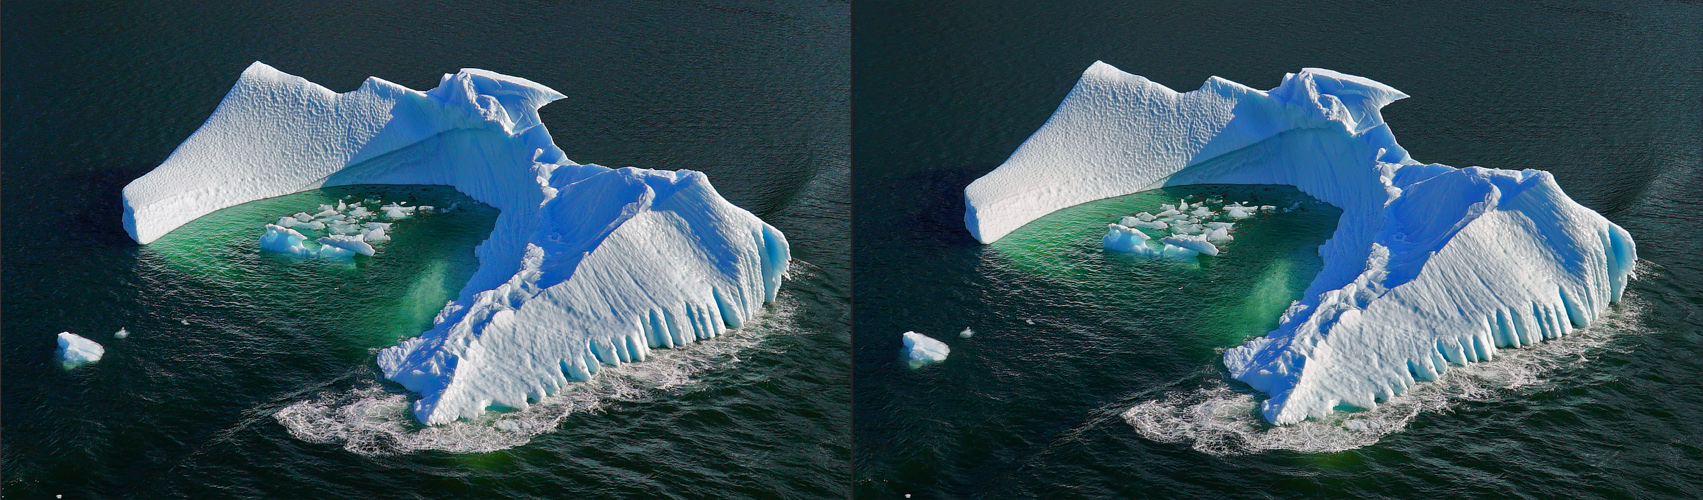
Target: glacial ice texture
587 266
1431 266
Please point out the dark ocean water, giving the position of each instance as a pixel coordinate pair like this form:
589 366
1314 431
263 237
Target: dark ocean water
249 375
1094 375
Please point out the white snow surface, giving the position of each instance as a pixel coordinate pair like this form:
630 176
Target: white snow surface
75 350
1430 266
587 266
920 349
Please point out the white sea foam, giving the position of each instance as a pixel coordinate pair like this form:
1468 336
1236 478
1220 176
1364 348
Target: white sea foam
373 421
1219 421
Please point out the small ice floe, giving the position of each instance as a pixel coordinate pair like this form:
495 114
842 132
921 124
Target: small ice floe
74 350
966 333
121 333
921 350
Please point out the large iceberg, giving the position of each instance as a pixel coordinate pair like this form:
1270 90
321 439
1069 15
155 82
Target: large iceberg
1430 265
586 266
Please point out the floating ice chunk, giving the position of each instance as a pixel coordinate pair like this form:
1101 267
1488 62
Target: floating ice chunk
1158 225
375 235
344 228
1193 242
1145 217
921 350
1220 225
360 212
284 240
1129 220
1202 212
1429 266
1238 211
121 333
1174 252
335 253
395 211
1189 228
1269 208
74 350
1219 235
350 243
1123 238
966 333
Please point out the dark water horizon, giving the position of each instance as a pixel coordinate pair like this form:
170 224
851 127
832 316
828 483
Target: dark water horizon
249 375
1091 375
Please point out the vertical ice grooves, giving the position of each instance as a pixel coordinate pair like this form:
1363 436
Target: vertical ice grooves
728 315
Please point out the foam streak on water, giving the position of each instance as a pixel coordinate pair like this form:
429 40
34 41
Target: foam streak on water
371 420
1217 420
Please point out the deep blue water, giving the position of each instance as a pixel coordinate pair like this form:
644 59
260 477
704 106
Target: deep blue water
1091 375
250 375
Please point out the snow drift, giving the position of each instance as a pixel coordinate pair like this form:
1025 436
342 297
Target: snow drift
586 266
1430 265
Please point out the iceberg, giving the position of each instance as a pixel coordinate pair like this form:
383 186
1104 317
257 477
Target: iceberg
74 350
921 350
1430 266
587 266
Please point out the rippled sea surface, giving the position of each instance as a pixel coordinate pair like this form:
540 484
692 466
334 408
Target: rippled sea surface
1093 375
250 375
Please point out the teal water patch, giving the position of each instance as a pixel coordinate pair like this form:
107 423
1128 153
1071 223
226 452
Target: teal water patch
370 301
1223 300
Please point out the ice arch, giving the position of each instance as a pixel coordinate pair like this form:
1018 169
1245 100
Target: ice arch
1430 265
586 266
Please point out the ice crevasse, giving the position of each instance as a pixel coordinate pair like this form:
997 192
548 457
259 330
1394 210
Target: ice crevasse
587 266
1430 265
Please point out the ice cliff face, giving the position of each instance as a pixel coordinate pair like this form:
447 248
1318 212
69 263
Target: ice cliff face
1430 265
586 266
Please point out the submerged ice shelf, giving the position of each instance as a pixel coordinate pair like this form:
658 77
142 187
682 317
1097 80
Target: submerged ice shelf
586 266
1430 265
